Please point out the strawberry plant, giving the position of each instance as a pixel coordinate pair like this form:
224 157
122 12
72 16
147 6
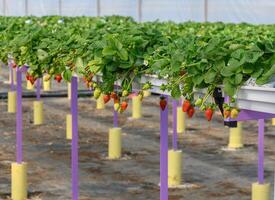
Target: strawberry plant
190 56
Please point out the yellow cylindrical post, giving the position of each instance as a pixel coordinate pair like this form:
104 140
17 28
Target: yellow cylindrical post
46 85
38 117
181 123
146 93
273 121
100 102
69 127
69 90
236 137
30 86
136 107
114 143
174 168
19 185
260 191
12 102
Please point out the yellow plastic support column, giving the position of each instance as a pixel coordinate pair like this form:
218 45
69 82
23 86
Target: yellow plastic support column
136 107
29 85
260 191
273 121
181 123
69 90
146 93
19 183
100 102
12 102
46 85
38 117
69 133
174 168
236 137
114 143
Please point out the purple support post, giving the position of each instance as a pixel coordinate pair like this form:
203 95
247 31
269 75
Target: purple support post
180 101
261 151
12 87
38 89
19 134
164 153
175 134
74 150
115 119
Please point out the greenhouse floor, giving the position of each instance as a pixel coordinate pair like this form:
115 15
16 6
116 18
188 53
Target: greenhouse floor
212 172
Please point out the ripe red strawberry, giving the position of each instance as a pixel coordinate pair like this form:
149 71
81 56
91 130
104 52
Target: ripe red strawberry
106 98
58 78
226 113
116 100
208 113
27 76
32 79
162 103
13 65
113 95
124 105
186 105
191 112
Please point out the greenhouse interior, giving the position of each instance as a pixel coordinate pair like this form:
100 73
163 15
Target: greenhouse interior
137 100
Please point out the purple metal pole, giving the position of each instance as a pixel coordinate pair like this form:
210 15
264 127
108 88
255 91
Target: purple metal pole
19 134
115 119
74 150
175 134
261 151
180 101
164 153
38 89
226 99
12 87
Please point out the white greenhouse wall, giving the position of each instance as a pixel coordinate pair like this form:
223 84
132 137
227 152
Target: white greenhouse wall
119 7
251 11
78 7
175 10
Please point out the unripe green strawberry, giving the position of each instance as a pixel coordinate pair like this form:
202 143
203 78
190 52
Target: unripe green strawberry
198 102
116 106
97 93
146 86
125 93
94 85
234 113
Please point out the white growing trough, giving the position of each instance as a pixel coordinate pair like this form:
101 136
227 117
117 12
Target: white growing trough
255 98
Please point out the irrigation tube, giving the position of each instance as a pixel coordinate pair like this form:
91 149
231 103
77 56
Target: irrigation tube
81 93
